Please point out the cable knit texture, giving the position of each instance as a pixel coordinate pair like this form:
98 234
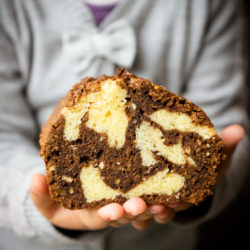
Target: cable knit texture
189 46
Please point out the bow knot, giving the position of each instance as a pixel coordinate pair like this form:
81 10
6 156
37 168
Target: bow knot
116 43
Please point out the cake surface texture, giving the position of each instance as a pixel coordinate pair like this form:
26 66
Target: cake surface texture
118 137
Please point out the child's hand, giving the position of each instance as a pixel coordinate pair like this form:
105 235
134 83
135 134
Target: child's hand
231 136
133 211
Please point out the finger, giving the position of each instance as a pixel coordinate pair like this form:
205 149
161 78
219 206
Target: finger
142 217
84 219
129 218
141 225
121 222
156 209
148 214
135 206
112 211
39 194
183 206
174 205
116 219
70 219
93 220
165 216
232 135
87 219
57 215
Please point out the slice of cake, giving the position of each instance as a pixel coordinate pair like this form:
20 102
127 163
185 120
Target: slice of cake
113 138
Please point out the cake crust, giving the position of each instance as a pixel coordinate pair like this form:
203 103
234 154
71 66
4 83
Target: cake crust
119 163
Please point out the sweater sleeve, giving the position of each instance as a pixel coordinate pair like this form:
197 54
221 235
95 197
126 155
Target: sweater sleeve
19 156
214 83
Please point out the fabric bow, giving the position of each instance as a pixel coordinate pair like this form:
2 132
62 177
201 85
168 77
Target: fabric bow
116 43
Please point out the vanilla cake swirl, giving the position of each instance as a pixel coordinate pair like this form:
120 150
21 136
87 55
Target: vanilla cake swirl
113 138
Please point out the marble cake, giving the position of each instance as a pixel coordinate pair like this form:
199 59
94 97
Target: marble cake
113 138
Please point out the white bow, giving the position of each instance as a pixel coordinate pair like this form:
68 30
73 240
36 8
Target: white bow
116 43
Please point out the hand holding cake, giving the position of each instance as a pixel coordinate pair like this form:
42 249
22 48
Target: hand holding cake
115 214
115 138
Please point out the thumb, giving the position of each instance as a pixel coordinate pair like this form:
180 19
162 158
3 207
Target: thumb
231 136
39 194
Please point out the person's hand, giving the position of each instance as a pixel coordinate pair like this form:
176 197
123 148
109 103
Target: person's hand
231 136
134 211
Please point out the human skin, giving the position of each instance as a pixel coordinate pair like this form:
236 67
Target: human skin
134 211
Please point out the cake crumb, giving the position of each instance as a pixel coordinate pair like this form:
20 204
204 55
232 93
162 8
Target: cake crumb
101 165
67 178
133 106
52 168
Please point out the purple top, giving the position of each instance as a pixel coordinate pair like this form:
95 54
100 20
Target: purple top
100 11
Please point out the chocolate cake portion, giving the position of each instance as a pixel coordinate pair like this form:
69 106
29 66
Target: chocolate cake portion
118 137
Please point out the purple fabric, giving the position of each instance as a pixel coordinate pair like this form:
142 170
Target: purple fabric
100 11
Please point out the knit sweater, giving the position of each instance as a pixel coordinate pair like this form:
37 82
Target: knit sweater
190 47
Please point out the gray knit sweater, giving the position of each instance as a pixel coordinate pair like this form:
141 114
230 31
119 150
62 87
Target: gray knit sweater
189 46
